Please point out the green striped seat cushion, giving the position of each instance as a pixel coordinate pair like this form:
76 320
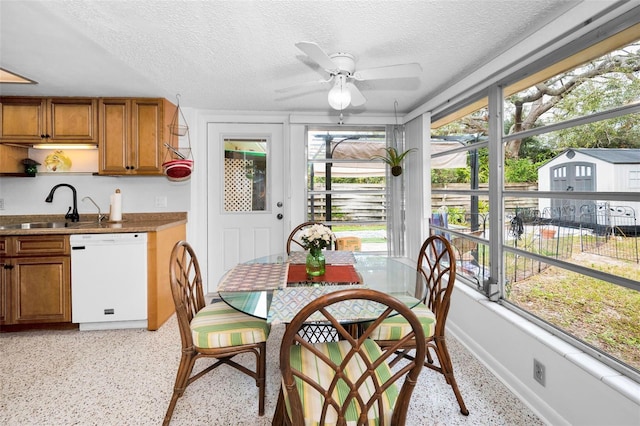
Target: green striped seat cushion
218 325
396 327
309 364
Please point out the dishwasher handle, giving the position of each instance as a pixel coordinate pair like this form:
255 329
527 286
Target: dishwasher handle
78 248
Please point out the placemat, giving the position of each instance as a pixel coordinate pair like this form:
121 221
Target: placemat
287 302
334 274
331 257
255 277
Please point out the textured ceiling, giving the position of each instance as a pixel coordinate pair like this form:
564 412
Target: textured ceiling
233 55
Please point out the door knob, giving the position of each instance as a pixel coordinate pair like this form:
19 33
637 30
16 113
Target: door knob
279 216
279 204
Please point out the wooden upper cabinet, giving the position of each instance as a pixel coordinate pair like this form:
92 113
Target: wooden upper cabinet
48 120
132 135
72 120
22 120
115 136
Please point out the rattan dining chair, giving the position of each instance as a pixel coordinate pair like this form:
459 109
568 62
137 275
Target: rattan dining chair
312 332
347 381
215 330
437 264
294 242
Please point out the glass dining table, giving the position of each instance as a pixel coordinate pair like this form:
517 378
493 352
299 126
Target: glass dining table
276 287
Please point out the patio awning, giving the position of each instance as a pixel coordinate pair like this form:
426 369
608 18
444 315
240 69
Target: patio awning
366 150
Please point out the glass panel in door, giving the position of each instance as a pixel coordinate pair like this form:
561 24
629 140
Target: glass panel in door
245 175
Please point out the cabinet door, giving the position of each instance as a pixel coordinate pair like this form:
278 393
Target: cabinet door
147 133
3 292
4 304
41 290
22 120
72 120
114 147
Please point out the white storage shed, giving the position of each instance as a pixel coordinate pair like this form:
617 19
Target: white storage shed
589 169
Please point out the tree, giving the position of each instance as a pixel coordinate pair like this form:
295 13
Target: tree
608 81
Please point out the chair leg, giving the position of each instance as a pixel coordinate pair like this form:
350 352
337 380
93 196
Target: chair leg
187 361
261 364
447 371
280 415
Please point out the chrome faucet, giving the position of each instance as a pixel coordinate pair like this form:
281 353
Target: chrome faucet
100 215
71 214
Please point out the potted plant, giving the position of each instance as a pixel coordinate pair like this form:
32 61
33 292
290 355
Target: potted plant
394 159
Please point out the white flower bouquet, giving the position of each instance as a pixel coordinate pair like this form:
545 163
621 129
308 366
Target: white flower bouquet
317 236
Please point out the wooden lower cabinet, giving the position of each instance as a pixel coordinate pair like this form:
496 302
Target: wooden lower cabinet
3 293
41 290
35 281
160 304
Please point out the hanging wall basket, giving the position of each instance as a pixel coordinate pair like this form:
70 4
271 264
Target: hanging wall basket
178 162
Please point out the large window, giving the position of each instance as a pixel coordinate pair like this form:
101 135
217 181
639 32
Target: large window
346 183
554 194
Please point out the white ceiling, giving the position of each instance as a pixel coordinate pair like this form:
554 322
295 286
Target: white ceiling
233 55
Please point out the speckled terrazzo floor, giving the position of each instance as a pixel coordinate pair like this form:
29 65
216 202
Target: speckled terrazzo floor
125 377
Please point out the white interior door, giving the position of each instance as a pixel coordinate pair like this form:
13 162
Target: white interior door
245 193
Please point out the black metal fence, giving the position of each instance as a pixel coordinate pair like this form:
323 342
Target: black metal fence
610 231
545 234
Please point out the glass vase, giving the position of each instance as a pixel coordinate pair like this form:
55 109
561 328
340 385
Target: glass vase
315 262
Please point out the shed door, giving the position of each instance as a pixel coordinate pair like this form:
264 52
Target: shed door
574 176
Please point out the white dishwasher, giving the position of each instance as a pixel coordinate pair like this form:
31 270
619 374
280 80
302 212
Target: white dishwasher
109 280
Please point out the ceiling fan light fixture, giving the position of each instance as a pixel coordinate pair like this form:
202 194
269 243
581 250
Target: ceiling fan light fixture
339 95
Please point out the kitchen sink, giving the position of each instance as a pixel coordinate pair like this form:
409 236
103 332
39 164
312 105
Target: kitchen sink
44 225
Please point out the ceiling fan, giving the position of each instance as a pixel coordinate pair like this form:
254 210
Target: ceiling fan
342 71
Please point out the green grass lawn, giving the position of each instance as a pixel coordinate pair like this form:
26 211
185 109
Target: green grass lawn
605 315
347 228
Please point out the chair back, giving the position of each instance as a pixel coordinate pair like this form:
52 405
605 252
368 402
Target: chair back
186 288
294 242
356 385
437 264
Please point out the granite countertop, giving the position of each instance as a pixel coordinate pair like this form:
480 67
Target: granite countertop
132 222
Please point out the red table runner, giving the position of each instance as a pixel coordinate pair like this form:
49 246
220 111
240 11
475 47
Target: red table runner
334 274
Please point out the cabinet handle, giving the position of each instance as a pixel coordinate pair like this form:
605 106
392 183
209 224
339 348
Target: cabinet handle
7 266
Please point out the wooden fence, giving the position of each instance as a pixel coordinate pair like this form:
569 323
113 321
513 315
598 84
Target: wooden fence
355 206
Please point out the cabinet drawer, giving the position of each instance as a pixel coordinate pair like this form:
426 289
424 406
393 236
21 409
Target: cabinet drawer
42 245
3 247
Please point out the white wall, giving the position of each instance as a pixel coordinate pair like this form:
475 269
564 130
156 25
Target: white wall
579 390
417 183
24 195
295 191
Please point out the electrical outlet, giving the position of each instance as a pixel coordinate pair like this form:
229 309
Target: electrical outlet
539 373
161 201
1 203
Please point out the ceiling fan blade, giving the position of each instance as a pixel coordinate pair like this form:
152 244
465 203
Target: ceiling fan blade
303 85
357 98
318 55
391 71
